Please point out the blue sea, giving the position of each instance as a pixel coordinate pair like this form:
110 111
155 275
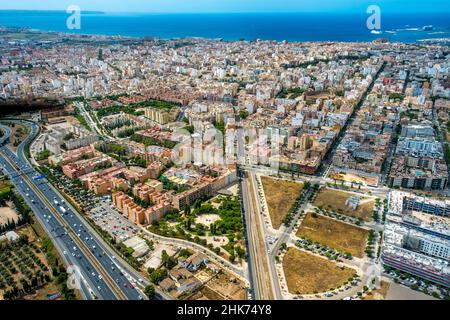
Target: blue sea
248 26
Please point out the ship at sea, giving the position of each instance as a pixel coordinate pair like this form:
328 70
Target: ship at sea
427 28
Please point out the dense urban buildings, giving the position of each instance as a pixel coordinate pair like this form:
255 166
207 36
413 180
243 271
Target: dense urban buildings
244 161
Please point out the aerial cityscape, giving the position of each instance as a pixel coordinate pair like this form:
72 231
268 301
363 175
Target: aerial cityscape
199 166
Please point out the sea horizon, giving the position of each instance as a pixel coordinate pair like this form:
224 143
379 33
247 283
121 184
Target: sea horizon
279 26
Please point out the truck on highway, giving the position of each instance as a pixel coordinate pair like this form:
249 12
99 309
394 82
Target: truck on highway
62 209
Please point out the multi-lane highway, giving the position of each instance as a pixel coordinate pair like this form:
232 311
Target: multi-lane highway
103 275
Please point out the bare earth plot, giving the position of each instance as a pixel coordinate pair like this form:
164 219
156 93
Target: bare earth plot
335 200
18 134
280 196
354 177
335 234
399 292
378 294
307 273
6 213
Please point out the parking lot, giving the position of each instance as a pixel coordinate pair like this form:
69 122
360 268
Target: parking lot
100 209
84 198
110 220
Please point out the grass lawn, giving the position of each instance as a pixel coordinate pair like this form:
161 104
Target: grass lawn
331 199
335 234
280 196
308 274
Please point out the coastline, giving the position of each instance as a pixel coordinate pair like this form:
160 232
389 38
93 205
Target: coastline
292 27
444 40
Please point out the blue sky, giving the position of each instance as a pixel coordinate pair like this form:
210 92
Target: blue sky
232 5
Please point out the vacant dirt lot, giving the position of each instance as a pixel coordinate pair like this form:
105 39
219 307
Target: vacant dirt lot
335 200
280 196
378 294
18 134
222 286
354 177
6 213
335 234
307 274
228 286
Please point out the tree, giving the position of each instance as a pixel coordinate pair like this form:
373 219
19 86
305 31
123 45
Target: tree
185 253
240 252
187 223
436 295
150 291
168 261
158 275
212 228
243 114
